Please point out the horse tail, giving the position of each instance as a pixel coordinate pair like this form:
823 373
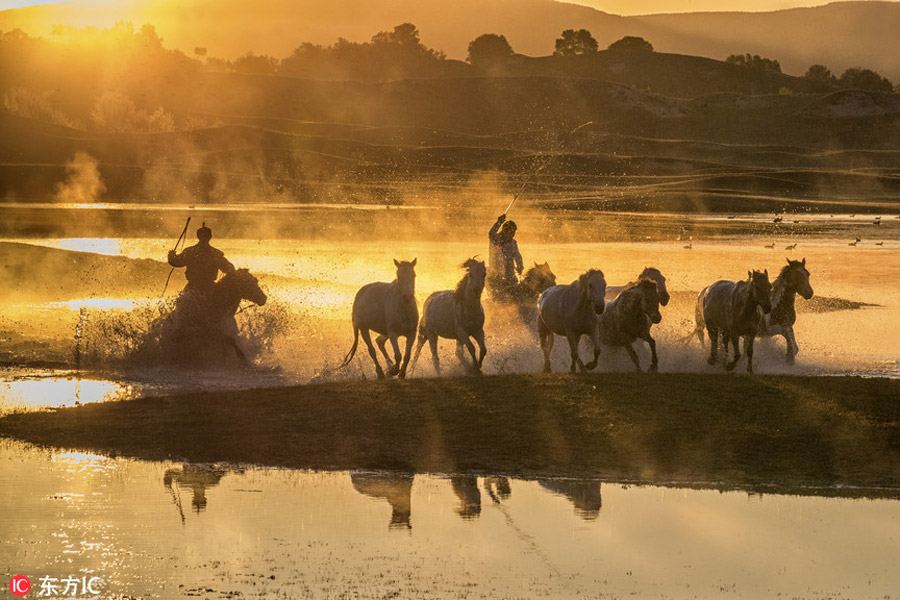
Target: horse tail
699 323
352 352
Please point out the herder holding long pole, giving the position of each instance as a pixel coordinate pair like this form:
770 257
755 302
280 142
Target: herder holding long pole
505 259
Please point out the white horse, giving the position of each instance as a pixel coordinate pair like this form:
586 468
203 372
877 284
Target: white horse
390 310
630 316
793 280
456 315
572 310
648 273
732 308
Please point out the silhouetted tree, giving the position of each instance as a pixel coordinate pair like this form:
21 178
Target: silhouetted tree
405 36
754 62
573 43
252 64
820 77
865 79
630 43
488 49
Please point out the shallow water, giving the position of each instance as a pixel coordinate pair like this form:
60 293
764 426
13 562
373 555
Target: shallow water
312 281
164 530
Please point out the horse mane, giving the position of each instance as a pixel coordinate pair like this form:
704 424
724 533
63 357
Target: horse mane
587 275
460 291
784 270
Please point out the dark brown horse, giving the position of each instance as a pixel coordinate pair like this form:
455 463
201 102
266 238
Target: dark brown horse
731 308
629 318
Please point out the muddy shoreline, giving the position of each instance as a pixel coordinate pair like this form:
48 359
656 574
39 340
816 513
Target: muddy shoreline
786 432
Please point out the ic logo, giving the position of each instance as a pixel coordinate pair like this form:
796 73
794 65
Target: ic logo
19 585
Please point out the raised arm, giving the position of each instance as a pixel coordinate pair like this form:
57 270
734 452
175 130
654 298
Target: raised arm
495 230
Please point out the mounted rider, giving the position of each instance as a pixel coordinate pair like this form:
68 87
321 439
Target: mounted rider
202 264
505 258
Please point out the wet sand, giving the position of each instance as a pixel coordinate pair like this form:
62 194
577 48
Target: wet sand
789 432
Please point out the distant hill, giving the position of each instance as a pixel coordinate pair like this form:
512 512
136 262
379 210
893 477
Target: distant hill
838 35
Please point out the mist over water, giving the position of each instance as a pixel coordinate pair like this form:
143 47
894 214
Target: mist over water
105 295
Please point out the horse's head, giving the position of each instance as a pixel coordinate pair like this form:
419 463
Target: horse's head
406 278
761 289
593 289
241 285
650 299
657 276
797 277
476 272
539 277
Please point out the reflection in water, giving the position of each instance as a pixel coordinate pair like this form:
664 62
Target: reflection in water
396 488
466 489
49 390
497 488
294 534
584 494
196 477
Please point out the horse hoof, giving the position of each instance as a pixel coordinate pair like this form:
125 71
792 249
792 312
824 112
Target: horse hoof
547 369
730 366
591 366
380 374
394 370
789 360
653 369
711 360
401 375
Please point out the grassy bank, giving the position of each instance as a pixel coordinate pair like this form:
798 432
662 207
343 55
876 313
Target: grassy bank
706 429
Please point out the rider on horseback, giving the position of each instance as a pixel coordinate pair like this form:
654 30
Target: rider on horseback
202 262
506 260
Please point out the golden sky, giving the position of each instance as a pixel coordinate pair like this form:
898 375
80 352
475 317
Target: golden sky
621 7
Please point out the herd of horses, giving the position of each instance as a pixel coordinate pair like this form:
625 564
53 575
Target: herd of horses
727 310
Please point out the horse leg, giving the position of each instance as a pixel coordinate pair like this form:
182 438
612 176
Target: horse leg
237 350
748 350
461 356
435 360
735 343
546 337
792 348
574 338
595 340
713 344
634 356
463 338
482 349
409 342
367 338
420 341
653 358
395 365
392 368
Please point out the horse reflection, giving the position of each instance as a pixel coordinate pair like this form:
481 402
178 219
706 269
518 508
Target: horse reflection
396 488
197 477
466 489
584 494
497 488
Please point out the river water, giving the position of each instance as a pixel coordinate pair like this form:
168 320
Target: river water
168 530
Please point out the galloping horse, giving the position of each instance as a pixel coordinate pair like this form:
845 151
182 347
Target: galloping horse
793 280
732 308
456 315
525 294
648 273
202 327
572 310
630 317
390 310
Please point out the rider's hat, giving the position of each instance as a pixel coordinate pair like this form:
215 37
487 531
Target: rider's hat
204 232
